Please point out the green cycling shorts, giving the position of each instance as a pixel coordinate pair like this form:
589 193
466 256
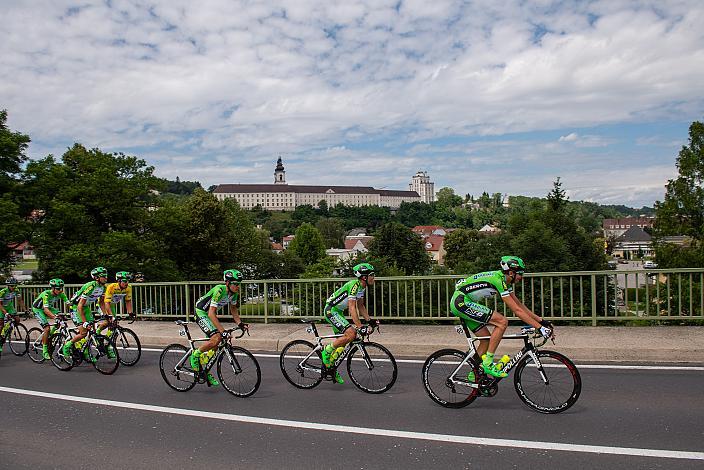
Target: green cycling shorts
77 318
336 318
41 316
205 323
474 315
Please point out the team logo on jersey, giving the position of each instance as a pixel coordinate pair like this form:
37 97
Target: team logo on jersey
354 289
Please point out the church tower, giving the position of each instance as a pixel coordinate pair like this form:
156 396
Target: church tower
279 173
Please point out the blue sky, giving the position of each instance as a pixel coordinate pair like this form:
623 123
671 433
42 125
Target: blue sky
485 96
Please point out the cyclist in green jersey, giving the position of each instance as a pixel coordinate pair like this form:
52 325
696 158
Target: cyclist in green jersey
44 306
81 303
206 313
7 305
470 291
350 295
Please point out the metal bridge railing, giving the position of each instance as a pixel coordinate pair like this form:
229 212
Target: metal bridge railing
583 296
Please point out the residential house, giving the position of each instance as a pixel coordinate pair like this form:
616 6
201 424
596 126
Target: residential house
634 243
354 245
287 241
22 251
434 246
277 247
489 230
614 228
427 230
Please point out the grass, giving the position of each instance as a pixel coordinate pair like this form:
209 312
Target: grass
27 264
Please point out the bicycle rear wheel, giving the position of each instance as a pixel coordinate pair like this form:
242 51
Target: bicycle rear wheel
56 343
239 371
176 369
300 373
372 367
104 354
448 389
18 346
550 388
33 342
128 346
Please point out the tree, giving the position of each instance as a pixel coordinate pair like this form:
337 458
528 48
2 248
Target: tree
396 245
12 155
446 197
333 232
682 211
556 198
13 146
308 244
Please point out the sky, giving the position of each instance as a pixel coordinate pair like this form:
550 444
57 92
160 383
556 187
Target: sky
483 95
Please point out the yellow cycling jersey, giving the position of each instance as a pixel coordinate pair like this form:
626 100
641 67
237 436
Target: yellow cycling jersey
113 293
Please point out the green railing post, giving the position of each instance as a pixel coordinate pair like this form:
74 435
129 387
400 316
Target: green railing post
266 302
593 299
188 302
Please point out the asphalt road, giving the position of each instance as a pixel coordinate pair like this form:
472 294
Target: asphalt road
619 410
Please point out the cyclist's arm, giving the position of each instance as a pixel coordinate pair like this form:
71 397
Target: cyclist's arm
79 308
20 301
128 307
354 306
235 313
362 307
527 311
213 315
521 311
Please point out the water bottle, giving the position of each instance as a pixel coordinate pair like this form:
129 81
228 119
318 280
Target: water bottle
336 353
503 361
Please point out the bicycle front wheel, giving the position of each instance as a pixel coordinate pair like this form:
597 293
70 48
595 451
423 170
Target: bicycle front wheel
239 371
552 386
56 343
176 369
33 343
302 367
18 346
372 367
448 380
128 346
104 354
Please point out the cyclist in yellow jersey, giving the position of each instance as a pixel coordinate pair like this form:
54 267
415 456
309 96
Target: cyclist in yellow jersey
119 291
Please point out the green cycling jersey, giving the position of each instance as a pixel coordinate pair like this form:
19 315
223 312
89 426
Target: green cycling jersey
7 296
218 296
48 300
90 291
351 290
483 285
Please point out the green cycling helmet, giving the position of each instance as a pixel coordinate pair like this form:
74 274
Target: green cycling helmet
56 284
123 276
363 270
232 275
513 263
99 272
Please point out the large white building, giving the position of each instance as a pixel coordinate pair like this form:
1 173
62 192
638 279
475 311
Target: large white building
286 197
421 184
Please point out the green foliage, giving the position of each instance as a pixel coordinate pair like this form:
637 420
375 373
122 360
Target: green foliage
12 153
396 245
446 197
323 268
181 187
308 244
682 211
332 231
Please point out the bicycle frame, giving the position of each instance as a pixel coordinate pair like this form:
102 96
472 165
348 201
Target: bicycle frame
528 348
319 339
211 362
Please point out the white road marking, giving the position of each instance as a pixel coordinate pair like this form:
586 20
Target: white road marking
581 366
445 438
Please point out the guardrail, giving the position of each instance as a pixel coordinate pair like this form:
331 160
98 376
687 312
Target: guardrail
585 296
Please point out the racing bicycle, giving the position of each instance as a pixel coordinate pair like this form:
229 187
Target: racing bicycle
546 381
370 365
98 349
33 339
15 335
237 369
126 340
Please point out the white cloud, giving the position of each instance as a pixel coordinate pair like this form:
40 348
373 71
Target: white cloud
253 79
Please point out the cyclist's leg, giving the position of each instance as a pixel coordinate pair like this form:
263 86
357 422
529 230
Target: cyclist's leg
43 323
476 316
339 324
82 332
205 322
